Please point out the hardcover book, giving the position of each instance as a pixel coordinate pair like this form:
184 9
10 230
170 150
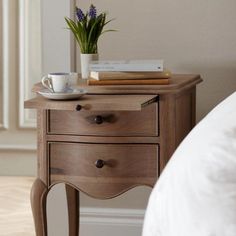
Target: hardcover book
129 75
127 65
129 82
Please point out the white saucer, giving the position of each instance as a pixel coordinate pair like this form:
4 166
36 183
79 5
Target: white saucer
69 94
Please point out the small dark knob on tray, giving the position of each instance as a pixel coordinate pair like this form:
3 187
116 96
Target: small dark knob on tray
99 163
78 107
98 120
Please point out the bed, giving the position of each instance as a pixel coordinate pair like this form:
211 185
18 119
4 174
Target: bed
196 193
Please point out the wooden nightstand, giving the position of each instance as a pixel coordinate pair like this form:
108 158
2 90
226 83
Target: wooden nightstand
111 140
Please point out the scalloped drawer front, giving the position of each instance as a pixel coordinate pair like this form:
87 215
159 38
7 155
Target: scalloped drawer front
103 170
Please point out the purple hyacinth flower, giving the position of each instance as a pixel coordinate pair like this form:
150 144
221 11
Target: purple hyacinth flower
92 11
79 14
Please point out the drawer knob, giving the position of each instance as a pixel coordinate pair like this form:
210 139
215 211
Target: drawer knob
98 120
99 163
78 107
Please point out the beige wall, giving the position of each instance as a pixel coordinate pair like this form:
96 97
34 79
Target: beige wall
191 36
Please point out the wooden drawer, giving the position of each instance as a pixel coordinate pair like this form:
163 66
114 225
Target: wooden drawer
105 123
125 166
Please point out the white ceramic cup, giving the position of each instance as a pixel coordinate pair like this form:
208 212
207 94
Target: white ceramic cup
59 82
73 79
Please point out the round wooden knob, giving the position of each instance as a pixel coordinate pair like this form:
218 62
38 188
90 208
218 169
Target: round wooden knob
98 120
78 107
99 163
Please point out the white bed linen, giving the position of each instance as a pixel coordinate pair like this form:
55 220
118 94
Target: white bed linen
196 193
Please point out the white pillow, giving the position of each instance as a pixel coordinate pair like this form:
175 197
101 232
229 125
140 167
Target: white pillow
196 193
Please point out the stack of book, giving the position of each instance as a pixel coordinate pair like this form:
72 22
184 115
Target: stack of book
133 72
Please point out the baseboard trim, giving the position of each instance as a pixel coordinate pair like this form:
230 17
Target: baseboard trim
112 216
18 147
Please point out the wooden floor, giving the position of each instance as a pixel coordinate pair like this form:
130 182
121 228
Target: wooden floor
15 211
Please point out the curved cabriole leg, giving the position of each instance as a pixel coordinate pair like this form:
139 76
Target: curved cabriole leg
72 196
38 203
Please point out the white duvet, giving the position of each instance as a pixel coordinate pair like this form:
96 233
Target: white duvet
196 193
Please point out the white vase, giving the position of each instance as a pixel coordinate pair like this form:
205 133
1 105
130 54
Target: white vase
85 60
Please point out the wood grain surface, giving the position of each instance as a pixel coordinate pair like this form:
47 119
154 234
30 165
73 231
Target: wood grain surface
178 83
177 118
72 196
42 157
15 211
101 139
132 154
94 103
38 197
124 123
125 166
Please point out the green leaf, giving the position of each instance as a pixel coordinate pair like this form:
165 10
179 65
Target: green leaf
95 29
105 31
109 21
88 31
73 28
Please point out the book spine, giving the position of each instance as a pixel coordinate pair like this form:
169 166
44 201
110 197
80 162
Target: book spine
129 75
129 82
126 67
